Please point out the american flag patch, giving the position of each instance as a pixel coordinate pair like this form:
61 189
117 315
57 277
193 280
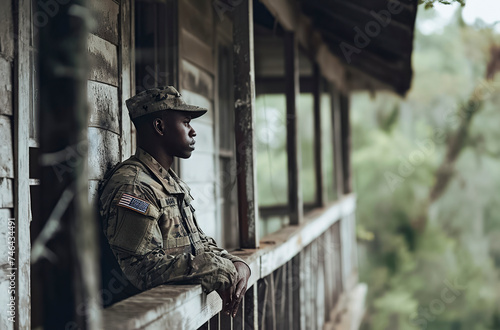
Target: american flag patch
133 203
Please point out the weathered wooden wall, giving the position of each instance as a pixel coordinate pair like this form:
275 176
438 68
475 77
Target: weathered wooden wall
109 85
109 128
6 150
197 70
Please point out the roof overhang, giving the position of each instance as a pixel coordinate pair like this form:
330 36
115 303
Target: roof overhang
358 44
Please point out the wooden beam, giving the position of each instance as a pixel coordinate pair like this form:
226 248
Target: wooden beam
295 199
22 88
244 96
276 85
319 172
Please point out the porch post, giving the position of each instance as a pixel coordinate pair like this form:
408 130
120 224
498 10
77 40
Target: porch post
318 139
337 142
295 200
244 96
21 268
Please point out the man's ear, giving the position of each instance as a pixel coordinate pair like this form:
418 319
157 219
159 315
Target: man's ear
159 126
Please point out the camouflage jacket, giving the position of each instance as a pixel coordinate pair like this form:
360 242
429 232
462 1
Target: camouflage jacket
152 230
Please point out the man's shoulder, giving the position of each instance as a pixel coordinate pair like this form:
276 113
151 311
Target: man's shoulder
125 173
131 176
121 175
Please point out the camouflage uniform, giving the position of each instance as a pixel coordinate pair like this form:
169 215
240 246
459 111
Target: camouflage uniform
152 230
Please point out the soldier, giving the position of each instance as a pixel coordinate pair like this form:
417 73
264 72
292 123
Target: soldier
146 210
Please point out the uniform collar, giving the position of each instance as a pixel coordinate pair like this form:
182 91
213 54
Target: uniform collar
168 178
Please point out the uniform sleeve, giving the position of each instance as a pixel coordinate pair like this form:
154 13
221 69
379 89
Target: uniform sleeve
211 246
136 241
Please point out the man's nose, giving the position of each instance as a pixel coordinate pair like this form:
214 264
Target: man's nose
192 132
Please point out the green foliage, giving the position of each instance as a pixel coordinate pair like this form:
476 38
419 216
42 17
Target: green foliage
398 146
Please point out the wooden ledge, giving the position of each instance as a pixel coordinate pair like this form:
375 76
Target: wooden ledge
278 248
165 307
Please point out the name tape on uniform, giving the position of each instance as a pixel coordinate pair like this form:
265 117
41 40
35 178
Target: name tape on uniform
133 203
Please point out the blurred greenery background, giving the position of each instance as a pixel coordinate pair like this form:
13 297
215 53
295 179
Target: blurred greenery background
426 174
427 178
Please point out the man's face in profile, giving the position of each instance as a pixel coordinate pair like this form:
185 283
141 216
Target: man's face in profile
178 139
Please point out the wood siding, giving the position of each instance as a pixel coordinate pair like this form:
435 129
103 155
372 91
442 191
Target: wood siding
6 149
109 85
196 78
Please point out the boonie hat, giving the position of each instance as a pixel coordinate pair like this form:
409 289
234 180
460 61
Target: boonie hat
160 98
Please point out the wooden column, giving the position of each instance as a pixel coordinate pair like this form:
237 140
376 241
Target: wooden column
21 268
244 96
125 74
346 143
337 142
66 249
292 134
318 139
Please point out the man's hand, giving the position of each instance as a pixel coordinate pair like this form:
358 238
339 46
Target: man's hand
240 288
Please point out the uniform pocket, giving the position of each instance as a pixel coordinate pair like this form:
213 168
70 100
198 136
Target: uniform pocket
136 233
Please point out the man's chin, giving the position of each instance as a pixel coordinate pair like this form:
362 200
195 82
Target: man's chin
186 155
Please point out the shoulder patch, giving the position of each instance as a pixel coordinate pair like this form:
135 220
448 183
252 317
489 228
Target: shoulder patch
134 203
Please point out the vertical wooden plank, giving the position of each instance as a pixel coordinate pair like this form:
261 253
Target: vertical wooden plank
132 132
174 44
219 188
262 292
318 139
338 261
21 163
214 323
288 321
239 319
328 260
303 288
125 72
269 321
337 139
244 96
226 321
295 200
296 291
251 308
346 143
281 302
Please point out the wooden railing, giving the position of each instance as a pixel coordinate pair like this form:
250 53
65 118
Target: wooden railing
302 277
